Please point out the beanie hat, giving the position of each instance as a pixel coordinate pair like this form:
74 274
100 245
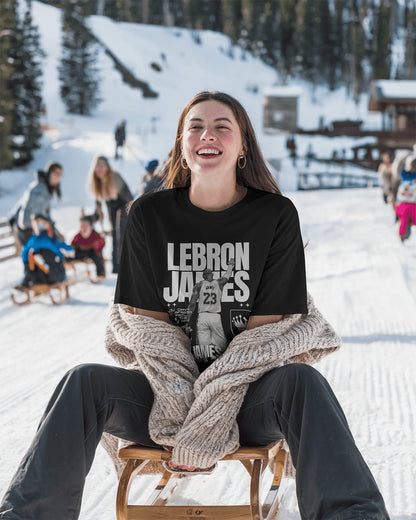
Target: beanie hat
152 165
409 165
90 219
40 215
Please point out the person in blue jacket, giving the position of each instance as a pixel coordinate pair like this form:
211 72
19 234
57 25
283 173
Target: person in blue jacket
43 254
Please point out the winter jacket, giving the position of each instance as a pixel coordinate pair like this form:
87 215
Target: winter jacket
44 241
34 201
94 241
124 196
407 188
120 135
184 400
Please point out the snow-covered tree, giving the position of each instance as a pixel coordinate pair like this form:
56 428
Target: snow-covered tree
7 20
380 54
26 85
21 82
78 71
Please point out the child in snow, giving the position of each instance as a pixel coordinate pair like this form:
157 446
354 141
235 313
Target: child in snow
406 198
43 255
89 244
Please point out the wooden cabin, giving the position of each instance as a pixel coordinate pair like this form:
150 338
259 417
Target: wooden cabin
396 100
280 112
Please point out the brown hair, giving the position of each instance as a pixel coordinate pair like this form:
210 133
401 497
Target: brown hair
255 172
53 166
50 168
105 188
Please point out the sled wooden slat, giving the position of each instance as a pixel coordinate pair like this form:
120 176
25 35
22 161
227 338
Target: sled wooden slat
58 293
188 512
255 460
86 272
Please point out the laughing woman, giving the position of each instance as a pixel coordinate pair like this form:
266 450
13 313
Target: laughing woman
215 328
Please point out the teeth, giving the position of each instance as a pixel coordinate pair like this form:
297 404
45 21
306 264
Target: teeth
208 151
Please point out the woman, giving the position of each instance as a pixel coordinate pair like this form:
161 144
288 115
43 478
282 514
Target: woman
222 215
36 200
107 185
385 174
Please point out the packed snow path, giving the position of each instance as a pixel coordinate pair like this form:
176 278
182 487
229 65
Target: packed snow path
362 279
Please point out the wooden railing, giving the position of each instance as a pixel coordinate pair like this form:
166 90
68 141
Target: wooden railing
9 246
334 180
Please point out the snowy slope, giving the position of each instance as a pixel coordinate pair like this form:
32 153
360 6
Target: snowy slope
362 279
360 275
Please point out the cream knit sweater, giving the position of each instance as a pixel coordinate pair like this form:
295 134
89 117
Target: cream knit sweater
196 414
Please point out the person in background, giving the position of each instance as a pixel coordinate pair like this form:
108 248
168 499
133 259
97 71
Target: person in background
151 180
386 178
89 244
108 186
120 136
43 254
406 198
36 200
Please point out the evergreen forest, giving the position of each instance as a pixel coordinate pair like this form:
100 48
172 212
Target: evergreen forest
325 42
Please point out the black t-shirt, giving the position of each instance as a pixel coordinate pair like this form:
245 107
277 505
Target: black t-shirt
211 270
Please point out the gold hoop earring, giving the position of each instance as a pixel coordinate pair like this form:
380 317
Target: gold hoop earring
242 161
184 163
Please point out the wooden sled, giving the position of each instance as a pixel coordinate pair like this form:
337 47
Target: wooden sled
57 292
255 460
83 270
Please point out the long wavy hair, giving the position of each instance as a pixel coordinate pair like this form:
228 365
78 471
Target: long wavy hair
255 172
105 188
50 168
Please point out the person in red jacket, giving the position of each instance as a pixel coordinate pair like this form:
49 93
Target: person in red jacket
89 244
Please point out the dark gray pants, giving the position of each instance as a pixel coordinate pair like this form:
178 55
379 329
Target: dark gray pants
294 402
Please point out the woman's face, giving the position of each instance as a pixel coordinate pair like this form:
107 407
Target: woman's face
55 177
100 169
211 141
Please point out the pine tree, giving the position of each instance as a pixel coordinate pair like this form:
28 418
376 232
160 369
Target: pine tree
306 40
410 44
355 49
25 85
286 35
339 54
8 19
325 39
270 50
78 72
232 18
380 49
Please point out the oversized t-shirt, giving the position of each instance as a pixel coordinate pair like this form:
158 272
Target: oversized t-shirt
211 270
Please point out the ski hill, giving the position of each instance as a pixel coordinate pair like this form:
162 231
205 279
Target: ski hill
361 276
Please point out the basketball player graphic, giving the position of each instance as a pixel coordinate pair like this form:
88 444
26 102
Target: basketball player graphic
210 333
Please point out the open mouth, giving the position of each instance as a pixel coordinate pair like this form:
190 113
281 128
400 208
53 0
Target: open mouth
208 152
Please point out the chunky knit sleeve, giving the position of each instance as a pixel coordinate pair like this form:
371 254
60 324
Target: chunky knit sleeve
162 352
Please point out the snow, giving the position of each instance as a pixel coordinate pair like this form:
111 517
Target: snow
397 89
360 275
284 90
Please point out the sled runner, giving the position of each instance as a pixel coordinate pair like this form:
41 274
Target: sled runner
255 460
57 292
83 270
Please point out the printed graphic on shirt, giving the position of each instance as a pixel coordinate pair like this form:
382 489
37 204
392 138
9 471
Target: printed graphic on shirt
407 191
206 283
